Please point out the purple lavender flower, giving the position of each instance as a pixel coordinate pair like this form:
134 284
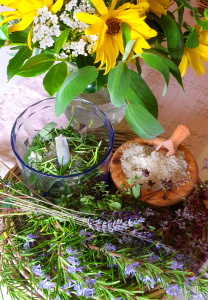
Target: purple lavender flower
8 184
115 215
109 247
31 237
45 284
37 270
73 269
90 282
104 215
173 290
48 277
83 291
43 254
131 269
148 280
70 251
98 275
67 284
152 258
205 167
186 282
73 260
84 233
26 245
121 214
149 212
176 265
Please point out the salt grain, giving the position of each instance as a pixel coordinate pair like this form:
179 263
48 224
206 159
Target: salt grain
138 157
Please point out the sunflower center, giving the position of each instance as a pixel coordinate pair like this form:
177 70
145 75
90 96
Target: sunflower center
113 26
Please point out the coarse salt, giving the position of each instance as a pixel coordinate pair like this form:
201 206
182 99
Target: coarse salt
143 157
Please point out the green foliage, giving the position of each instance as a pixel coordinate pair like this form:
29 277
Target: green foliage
192 40
118 84
84 61
61 40
126 35
139 93
157 63
36 65
173 69
136 190
55 77
142 122
17 61
128 49
74 84
101 80
3 31
202 23
173 35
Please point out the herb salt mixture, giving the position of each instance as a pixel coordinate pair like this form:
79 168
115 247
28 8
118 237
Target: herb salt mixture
143 157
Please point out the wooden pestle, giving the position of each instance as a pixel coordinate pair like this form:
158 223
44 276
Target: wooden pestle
178 136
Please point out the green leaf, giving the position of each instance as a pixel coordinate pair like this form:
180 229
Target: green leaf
4 35
7 203
128 49
141 94
136 190
173 68
83 61
118 84
20 36
157 63
174 35
101 80
126 34
192 40
202 23
73 85
61 40
55 77
114 206
37 65
47 129
142 122
17 61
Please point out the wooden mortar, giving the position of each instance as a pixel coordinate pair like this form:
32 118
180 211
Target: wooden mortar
155 198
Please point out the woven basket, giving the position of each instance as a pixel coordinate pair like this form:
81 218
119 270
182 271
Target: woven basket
203 3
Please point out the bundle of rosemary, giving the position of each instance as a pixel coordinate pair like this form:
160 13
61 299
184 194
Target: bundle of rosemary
81 247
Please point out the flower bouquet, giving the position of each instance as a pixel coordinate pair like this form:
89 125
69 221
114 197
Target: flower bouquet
86 45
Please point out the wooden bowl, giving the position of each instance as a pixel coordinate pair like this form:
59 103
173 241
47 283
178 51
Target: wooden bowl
155 198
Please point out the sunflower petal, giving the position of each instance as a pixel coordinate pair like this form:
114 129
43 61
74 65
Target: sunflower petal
22 25
29 38
9 19
87 18
184 63
95 28
195 61
48 3
100 6
57 6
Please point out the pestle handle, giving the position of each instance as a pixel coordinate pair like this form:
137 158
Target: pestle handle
179 135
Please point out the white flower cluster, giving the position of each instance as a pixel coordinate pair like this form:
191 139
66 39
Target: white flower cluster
46 26
68 17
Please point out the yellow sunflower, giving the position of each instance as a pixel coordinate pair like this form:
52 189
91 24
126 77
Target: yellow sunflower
195 57
26 10
108 28
157 6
